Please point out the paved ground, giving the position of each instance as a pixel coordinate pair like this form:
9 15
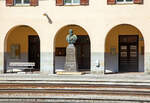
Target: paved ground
141 77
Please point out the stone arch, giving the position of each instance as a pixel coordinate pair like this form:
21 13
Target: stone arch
83 42
113 44
21 44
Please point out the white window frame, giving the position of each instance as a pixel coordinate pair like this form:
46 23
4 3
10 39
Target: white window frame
22 3
125 2
72 3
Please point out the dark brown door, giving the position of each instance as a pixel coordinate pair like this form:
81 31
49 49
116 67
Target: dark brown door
83 52
128 53
34 50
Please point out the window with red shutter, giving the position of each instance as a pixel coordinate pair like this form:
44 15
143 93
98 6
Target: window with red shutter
59 2
9 2
124 1
72 2
22 2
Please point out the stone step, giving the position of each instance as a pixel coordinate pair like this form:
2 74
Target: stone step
56 86
76 82
77 91
59 95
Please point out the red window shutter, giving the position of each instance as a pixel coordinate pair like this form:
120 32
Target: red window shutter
34 2
110 2
84 2
138 1
59 2
9 2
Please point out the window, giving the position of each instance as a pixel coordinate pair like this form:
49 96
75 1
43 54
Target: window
112 2
22 2
124 1
71 2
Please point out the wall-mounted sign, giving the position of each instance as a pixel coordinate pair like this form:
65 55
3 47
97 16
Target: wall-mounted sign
15 51
113 51
141 39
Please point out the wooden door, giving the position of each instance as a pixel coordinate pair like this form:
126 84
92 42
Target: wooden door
83 52
128 53
34 50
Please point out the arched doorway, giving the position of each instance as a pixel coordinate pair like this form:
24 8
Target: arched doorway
82 46
22 44
124 49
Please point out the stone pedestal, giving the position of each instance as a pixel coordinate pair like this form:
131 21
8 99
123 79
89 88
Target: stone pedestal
71 62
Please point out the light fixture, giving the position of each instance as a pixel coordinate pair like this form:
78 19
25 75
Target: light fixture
49 20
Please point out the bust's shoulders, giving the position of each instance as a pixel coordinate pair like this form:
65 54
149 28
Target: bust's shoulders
75 36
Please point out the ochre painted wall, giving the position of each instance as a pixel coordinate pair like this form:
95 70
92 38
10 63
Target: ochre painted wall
60 38
18 35
112 38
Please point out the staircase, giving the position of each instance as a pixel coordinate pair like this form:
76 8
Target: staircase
57 89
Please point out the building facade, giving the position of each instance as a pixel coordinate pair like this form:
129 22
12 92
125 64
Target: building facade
112 34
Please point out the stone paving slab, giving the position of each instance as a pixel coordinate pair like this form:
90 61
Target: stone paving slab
128 77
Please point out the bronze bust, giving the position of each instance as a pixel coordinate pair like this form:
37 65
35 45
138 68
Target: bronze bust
71 38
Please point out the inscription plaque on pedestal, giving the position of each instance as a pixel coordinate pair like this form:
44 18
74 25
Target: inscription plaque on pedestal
71 62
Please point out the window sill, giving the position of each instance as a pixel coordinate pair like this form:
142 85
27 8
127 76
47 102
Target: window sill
124 3
22 5
70 4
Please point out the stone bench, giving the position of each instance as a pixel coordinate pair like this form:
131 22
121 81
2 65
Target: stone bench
20 66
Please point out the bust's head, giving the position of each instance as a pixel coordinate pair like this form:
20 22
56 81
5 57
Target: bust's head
70 32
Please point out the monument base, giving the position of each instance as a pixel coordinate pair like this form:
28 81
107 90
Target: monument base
69 73
71 62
